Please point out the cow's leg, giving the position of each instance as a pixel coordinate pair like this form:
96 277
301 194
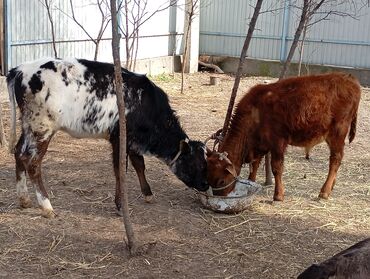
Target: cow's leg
277 165
253 168
115 147
32 153
139 166
117 196
20 173
336 145
307 152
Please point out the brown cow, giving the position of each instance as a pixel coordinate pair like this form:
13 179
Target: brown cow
299 111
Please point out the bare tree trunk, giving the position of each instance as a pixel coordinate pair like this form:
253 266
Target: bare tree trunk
96 50
135 41
234 92
185 55
136 50
301 49
307 19
297 35
292 49
127 37
122 125
52 27
306 14
135 17
2 134
243 55
104 23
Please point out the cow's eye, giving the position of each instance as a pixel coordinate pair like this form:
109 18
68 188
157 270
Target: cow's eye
221 182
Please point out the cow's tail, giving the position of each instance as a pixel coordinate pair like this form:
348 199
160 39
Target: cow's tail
352 131
13 116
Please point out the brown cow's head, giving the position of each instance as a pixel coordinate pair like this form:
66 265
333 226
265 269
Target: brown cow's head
221 173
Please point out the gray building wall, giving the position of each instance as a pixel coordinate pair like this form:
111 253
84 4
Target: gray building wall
340 41
28 31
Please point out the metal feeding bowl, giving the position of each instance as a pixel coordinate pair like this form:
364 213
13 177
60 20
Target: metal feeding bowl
236 201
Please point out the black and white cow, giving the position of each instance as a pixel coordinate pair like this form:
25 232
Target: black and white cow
77 96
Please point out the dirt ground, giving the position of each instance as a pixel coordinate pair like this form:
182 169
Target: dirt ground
182 239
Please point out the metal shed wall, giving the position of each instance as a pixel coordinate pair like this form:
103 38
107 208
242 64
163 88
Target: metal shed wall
340 41
29 36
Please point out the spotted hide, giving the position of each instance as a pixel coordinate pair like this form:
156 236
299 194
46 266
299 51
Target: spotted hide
78 96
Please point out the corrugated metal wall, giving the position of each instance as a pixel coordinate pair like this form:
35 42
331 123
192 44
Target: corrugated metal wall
341 41
29 33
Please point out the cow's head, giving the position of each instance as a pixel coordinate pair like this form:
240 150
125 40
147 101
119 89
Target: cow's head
191 165
221 173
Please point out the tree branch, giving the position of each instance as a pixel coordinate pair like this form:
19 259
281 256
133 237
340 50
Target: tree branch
47 6
78 23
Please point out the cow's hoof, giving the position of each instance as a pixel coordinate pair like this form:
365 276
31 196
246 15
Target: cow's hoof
149 199
324 196
278 198
25 202
47 213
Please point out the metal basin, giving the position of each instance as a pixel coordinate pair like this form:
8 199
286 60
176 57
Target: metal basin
236 201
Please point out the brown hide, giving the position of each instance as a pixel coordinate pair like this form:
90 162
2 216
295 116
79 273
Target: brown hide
299 111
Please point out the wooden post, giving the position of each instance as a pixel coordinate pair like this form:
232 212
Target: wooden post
122 125
213 80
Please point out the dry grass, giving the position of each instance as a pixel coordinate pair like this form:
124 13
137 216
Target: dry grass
269 240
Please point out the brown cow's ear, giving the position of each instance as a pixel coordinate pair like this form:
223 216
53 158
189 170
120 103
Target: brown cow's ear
184 146
231 170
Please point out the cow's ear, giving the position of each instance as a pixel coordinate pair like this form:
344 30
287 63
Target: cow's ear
184 146
231 170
